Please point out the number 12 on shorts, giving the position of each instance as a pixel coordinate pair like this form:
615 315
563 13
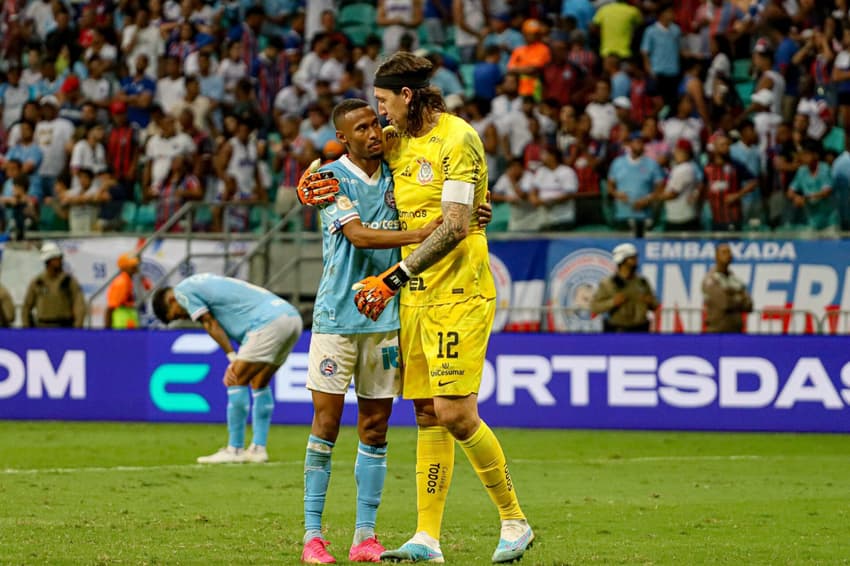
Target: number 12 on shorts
446 344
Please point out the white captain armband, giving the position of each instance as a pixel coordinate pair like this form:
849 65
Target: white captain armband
458 191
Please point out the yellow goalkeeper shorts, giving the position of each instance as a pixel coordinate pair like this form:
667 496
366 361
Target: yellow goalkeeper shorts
443 347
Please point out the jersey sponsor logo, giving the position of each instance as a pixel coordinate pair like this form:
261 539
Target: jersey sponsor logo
389 356
446 370
435 139
406 214
457 291
389 198
442 383
406 172
344 203
328 367
434 476
383 225
417 284
426 172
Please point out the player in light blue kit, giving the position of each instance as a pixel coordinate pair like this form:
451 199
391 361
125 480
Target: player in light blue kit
360 235
265 326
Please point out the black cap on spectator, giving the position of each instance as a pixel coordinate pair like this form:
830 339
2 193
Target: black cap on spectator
276 42
811 145
22 181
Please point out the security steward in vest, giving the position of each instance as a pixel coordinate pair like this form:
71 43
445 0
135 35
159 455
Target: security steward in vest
625 298
55 296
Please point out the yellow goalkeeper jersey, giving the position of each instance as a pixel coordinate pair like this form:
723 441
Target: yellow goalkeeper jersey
451 151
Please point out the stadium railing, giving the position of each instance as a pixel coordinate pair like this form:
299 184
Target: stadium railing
186 215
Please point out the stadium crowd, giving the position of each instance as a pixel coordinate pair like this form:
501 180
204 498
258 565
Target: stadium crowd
695 115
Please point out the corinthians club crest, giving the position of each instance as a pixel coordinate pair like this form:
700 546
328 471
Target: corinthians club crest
426 172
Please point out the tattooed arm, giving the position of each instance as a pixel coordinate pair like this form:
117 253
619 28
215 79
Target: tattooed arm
450 233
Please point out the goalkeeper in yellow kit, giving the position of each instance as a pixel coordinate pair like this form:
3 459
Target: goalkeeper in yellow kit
447 302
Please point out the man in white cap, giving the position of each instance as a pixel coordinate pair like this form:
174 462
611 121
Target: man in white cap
55 296
625 298
765 118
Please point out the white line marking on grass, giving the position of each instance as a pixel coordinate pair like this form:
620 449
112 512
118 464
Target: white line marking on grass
32 471
617 460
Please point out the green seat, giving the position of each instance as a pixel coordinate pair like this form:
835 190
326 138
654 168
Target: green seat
128 215
592 228
467 75
834 140
146 217
501 217
607 203
359 33
50 221
358 14
203 217
255 218
745 91
741 69
450 51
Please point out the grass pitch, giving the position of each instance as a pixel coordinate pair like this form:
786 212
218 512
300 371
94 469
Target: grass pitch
105 493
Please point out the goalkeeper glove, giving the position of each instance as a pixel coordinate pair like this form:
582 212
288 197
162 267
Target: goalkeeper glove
317 188
374 293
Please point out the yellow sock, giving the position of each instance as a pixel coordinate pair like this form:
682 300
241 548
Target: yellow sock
435 460
486 456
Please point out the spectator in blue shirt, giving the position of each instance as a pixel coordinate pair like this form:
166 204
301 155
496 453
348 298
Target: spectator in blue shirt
581 10
632 180
27 151
783 63
506 38
138 93
437 17
445 80
811 189
660 48
488 74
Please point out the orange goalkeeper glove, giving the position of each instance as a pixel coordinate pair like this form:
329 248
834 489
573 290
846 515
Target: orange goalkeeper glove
375 293
317 188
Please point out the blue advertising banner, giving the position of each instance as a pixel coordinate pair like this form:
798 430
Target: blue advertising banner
711 382
812 276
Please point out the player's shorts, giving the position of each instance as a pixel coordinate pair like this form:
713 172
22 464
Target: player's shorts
272 343
443 347
371 360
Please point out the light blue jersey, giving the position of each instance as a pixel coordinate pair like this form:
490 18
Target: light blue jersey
636 178
238 306
360 199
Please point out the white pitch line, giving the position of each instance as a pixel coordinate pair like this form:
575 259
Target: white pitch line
32 471
731 457
636 460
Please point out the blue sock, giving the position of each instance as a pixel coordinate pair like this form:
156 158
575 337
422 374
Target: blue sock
370 469
317 476
261 416
238 402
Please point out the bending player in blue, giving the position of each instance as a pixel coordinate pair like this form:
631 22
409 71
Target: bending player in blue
360 235
266 326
